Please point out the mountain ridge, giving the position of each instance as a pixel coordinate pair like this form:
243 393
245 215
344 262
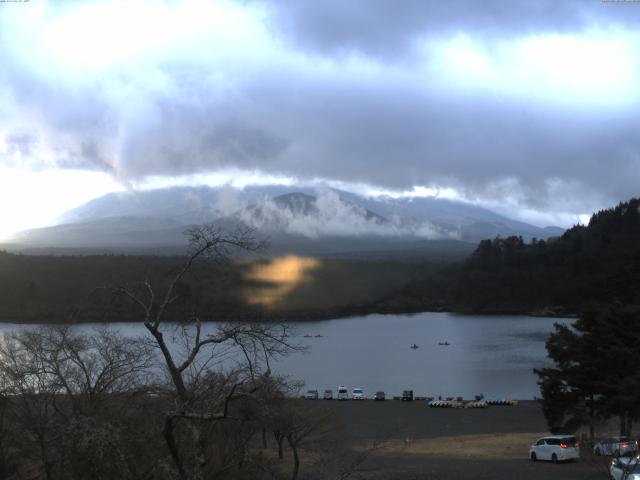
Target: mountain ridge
297 220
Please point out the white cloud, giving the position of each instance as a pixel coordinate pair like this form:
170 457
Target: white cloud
329 215
594 66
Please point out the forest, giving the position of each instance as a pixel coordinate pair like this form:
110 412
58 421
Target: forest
587 265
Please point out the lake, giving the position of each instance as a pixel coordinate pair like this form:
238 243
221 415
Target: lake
492 355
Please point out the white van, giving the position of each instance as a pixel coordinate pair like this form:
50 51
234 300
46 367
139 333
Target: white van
555 448
343 393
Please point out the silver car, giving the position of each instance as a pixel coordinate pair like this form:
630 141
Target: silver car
311 395
615 446
358 394
625 468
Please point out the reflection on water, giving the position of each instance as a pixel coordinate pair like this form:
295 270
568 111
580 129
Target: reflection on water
278 277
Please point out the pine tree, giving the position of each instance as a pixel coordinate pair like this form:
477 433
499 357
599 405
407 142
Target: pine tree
595 373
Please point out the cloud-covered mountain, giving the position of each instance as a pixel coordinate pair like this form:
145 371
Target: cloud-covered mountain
294 220
525 106
329 214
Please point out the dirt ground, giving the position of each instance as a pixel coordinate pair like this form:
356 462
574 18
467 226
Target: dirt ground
412 441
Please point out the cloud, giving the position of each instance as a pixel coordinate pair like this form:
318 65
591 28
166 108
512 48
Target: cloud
328 215
392 31
227 202
528 104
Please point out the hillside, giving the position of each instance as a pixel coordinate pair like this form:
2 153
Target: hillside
47 288
589 264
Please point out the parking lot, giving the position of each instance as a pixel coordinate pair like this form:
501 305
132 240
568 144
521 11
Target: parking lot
411 440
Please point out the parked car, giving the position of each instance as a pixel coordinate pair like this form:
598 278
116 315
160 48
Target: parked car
379 396
343 393
556 448
328 394
625 468
358 394
311 395
615 446
407 396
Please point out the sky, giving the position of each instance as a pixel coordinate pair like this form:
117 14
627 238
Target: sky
530 108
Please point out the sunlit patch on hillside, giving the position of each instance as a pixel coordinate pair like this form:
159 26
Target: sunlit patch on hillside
277 278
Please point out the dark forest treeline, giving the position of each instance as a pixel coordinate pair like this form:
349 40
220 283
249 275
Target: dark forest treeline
68 288
587 265
50 289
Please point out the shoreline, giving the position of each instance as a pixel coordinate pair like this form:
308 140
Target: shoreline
306 316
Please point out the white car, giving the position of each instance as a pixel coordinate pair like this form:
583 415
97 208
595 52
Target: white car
615 446
625 468
358 394
343 393
556 448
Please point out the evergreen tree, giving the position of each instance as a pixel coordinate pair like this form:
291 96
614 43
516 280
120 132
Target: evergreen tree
598 263
595 372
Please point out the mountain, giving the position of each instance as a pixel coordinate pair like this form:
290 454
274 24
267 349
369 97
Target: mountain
298 203
185 204
119 232
471 222
301 220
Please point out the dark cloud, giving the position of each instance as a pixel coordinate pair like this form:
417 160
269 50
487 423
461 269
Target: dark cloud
373 122
390 29
383 138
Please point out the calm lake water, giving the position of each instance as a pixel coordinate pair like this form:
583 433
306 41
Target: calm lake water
493 355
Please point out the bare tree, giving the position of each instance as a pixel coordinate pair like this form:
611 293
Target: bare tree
302 424
64 389
8 452
241 351
33 394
